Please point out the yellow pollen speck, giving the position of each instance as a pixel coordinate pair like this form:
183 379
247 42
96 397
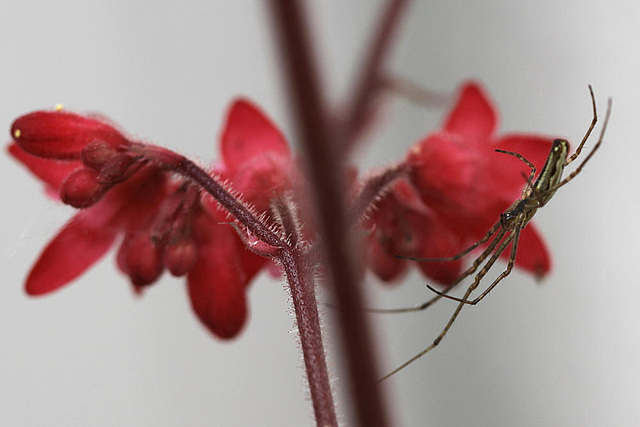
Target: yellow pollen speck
17 133
58 107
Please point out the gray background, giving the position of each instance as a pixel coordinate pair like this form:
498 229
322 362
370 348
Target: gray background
563 353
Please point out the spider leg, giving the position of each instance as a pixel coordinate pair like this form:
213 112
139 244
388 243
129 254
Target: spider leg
512 259
436 341
513 236
593 150
459 255
460 278
586 136
531 167
465 299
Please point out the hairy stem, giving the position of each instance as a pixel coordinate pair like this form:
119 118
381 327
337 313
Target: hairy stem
301 284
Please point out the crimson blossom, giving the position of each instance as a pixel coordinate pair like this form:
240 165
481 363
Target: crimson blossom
125 192
457 187
452 188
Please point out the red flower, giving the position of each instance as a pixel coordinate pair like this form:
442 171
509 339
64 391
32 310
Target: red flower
164 222
456 189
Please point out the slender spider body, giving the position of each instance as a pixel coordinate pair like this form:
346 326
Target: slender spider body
507 229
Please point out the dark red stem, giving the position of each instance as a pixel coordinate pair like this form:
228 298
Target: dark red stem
303 294
326 173
375 187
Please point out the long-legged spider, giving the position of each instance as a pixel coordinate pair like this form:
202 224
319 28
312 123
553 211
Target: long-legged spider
507 230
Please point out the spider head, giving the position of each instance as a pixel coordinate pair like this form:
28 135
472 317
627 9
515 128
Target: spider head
512 213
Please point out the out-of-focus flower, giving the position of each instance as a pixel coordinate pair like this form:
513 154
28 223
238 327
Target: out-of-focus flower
456 189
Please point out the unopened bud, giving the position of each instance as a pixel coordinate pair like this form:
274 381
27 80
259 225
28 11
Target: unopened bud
96 154
60 134
118 168
81 189
142 260
180 257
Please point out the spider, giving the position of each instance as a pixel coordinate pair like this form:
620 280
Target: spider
507 229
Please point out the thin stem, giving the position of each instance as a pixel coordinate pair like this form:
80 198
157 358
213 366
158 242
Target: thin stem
300 279
374 187
326 173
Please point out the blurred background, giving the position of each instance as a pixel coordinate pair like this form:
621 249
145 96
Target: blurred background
564 352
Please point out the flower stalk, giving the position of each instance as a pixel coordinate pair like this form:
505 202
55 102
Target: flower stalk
321 147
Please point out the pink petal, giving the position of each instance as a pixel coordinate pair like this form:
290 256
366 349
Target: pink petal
52 172
82 242
532 255
217 282
473 116
248 133
61 135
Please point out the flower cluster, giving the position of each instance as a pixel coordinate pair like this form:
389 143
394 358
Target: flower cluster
456 189
453 189
164 223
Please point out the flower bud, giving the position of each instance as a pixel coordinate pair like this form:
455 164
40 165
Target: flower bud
118 168
81 189
180 257
61 135
96 154
142 259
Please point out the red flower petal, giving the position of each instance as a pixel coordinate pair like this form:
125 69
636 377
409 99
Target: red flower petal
217 282
532 147
443 273
386 267
435 240
61 135
449 173
443 166
262 177
251 263
532 255
247 133
51 172
81 189
82 242
473 115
